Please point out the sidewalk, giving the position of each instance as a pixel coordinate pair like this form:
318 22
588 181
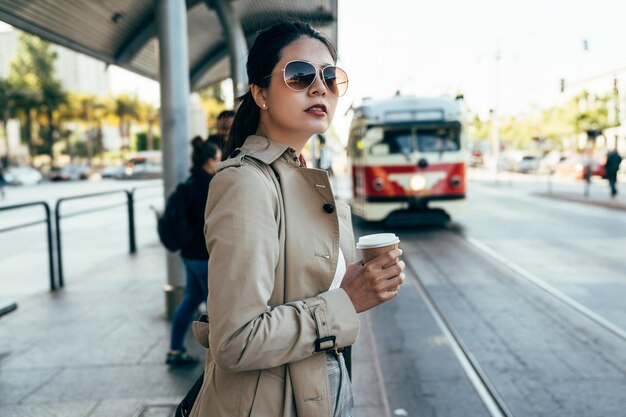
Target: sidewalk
599 194
97 349
558 189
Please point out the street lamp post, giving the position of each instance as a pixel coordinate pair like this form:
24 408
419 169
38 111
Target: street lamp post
495 126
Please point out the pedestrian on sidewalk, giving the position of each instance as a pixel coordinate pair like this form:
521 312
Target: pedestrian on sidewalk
3 181
285 286
223 123
587 161
613 161
205 157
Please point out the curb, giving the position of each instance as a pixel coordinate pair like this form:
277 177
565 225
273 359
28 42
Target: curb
613 205
370 396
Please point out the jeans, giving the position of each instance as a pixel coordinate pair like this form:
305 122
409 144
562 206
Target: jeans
340 386
196 292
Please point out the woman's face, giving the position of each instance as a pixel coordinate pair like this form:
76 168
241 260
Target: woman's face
294 116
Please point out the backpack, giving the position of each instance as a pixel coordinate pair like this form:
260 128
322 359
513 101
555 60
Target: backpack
175 230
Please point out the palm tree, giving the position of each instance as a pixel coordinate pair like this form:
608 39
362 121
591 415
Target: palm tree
126 110
149 115
88 111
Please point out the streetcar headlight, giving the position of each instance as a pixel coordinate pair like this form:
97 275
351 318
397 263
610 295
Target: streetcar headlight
455 181
417 183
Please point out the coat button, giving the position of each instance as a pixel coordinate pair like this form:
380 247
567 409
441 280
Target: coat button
328 208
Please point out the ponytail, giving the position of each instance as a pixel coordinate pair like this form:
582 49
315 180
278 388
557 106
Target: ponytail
245 123
202 151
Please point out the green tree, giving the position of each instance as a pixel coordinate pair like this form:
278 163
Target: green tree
583 113
26 102
7 107
212 103
89 112
126 108
33 68
149 115
479 129
593 111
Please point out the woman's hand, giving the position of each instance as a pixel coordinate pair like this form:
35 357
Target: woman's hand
370 285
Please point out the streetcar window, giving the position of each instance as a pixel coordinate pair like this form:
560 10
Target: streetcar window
399 141
441 139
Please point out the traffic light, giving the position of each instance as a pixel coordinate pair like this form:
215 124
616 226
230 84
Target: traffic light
562 85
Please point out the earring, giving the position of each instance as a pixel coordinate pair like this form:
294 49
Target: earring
264 105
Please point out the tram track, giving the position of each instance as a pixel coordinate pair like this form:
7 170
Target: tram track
485 390
522 272
573 333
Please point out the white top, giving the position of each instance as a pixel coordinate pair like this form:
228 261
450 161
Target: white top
341 269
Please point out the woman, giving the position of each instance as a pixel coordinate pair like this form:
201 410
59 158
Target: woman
205 157
282 302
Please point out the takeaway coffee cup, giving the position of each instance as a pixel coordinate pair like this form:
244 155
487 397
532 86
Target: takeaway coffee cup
372 246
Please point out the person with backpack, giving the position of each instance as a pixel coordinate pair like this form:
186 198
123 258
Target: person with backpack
182 227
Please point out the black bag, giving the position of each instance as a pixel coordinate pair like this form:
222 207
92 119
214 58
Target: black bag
185 406
174 228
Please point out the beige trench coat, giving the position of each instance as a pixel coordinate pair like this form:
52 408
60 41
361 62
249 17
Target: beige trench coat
273 231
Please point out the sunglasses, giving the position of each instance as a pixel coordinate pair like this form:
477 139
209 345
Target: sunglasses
299 75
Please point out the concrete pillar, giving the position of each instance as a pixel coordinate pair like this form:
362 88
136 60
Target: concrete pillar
174 80
236 41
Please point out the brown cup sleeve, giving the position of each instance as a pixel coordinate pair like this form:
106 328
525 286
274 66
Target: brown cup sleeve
373 253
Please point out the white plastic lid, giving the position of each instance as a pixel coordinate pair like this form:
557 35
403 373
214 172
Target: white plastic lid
377 240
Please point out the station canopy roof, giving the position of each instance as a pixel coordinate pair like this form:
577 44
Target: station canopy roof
123 32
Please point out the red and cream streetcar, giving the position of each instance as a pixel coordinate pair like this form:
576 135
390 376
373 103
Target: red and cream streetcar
408 159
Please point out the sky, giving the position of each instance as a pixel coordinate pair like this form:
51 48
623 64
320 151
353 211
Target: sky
449 46
427 48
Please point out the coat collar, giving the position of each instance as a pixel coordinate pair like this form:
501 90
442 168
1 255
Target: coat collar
267 150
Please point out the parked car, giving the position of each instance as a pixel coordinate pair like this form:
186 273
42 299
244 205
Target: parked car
69 173
573 167
22 176
548 162
114 171
528 164
144 165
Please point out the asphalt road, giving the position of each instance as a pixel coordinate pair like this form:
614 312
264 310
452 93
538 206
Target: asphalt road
529 286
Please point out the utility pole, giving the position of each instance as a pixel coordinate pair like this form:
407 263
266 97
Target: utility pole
495 126
616 97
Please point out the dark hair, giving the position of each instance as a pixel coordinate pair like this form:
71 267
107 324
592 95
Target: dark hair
262 58
202 151
225 114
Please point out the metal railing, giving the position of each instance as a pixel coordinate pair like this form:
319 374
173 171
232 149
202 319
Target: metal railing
59 282
132 246
48 222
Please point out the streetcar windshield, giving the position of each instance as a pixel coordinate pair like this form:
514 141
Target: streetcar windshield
399 141
439 139
419 139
